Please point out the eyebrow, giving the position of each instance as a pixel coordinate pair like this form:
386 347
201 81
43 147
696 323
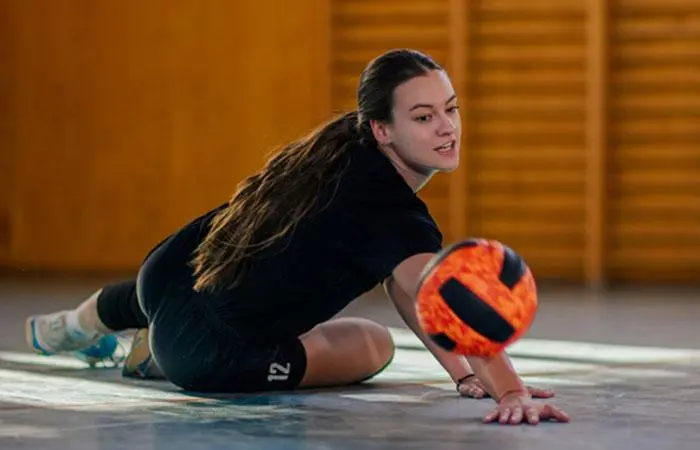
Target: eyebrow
424 105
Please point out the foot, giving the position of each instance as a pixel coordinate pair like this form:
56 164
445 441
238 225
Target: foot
48 335
140 363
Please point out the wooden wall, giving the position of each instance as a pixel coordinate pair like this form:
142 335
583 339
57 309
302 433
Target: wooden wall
124 119
581 148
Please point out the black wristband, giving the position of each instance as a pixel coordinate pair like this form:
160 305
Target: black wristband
463 379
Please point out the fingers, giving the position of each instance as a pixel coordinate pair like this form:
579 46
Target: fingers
492 416
515 415
533 416
552 412
473 391
540 393
505 415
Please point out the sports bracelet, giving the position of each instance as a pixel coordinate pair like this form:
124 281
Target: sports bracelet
463 379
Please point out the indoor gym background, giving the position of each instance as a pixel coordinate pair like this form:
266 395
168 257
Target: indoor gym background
119 121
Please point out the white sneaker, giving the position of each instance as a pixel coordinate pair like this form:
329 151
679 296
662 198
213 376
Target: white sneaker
48 335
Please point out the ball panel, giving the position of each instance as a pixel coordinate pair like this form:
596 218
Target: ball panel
474 312
522 309
512 268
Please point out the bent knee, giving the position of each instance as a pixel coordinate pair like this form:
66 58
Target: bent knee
346 351
378 344
383 344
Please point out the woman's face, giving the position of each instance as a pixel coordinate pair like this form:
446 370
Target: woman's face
425 132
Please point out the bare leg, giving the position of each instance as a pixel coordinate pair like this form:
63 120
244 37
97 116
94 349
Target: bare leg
88 317
345 351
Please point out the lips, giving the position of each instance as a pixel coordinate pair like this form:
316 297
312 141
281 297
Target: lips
446 147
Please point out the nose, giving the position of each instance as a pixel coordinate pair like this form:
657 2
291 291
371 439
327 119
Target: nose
447 125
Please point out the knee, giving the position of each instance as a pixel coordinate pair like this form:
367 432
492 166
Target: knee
380 344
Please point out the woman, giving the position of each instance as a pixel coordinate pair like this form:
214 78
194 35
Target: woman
241 298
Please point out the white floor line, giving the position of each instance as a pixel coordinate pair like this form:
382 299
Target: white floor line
575 350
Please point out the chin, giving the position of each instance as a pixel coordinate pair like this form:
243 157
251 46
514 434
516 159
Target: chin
449 169
446 167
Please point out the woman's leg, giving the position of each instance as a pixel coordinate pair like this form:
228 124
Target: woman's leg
345 351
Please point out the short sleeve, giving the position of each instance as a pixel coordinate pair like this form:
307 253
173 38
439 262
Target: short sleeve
396 234
387 226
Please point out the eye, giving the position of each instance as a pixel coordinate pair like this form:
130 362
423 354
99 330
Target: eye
424 118
452 109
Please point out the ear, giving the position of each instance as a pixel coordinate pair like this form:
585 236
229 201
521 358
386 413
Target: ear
381 132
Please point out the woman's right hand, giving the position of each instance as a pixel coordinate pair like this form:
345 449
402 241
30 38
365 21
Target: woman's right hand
518 407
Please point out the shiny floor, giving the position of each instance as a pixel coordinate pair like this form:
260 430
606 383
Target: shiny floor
625 365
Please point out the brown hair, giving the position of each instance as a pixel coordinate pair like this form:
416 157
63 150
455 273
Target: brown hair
270 204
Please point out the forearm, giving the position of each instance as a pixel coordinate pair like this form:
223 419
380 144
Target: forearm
455 365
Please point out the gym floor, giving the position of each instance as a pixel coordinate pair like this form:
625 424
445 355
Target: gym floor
625 365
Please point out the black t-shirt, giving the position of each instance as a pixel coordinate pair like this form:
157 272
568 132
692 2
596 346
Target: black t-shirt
374 222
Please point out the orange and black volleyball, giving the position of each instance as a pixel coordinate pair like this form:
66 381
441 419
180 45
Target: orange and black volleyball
476 297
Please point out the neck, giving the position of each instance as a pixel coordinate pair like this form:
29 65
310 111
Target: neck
412 176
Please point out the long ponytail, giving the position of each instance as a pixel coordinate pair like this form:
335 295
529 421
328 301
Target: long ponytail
270 204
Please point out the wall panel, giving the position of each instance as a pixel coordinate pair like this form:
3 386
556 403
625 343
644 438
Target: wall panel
654 177
526 149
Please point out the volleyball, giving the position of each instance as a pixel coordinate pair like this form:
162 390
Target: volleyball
476 297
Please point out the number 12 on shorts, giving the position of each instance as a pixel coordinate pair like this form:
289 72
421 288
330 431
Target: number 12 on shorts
279 372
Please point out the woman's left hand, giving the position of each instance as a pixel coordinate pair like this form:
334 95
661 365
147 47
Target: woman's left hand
474 388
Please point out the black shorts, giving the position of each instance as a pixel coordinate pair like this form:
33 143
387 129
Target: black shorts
192 345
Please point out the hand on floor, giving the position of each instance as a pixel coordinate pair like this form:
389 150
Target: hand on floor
515 409
474 388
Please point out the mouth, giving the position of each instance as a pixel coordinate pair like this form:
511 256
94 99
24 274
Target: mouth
446 147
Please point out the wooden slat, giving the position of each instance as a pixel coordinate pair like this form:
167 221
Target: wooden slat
510 202
363 34
349 11
532 154
537 9
505 78
679 77
663 256
530 128
555 53
646 7
651 52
